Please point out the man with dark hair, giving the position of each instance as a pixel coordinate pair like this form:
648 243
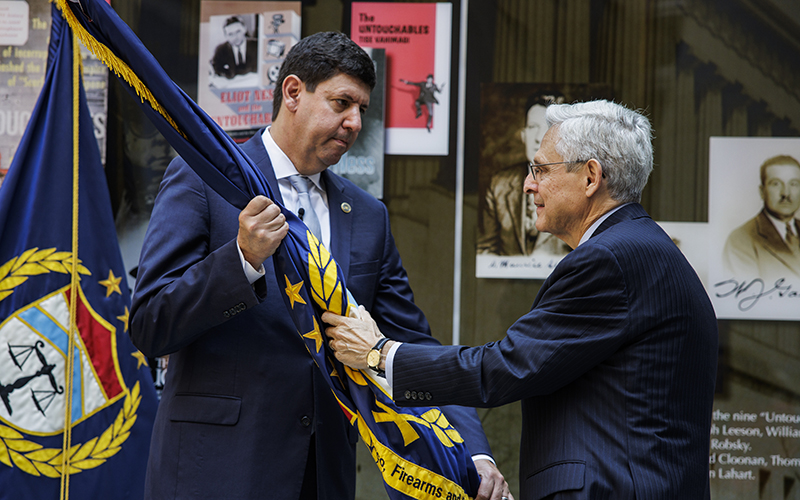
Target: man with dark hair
239 54
245 412
508 215
615 363
767 246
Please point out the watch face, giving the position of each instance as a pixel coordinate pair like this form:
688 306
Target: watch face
373 358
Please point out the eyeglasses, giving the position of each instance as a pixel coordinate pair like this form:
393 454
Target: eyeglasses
537 172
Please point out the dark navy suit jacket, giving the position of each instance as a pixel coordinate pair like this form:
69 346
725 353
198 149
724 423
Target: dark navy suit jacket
242 396
615 365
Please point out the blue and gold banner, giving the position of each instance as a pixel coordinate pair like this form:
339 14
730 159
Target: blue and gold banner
78 402
419 453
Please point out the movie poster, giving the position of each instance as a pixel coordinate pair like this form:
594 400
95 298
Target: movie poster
754 254
363 163
512 127
242 47
417 40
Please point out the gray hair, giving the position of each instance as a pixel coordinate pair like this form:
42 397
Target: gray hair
619 138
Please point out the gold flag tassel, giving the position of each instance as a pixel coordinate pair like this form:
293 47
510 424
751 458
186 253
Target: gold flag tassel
114 63
73 301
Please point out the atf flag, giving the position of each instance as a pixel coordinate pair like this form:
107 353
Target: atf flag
77 399
419 453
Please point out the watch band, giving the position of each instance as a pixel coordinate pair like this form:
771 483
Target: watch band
377 347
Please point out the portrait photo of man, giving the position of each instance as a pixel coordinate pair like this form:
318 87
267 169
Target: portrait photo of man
753 209
767 245
509 216
512 128
238 55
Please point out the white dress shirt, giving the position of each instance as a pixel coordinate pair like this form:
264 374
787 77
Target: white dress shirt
284 168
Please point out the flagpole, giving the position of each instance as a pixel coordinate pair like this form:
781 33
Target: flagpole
459 222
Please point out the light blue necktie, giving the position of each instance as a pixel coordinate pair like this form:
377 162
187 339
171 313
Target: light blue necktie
306 211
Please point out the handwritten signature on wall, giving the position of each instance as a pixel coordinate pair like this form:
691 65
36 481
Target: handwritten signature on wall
749 293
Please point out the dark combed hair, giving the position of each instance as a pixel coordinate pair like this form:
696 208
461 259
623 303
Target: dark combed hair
543 98
320 57
776 160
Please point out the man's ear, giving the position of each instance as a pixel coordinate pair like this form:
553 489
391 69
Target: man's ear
292 88
594 177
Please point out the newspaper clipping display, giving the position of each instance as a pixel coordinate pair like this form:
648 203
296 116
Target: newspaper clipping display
24 35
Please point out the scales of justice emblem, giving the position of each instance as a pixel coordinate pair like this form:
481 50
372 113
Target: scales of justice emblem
41 398
34 388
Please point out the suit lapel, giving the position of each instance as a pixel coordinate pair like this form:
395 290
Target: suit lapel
254 148
341 221
774 244
766 229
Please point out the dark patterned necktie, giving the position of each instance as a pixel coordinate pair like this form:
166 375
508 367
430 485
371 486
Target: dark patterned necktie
791 238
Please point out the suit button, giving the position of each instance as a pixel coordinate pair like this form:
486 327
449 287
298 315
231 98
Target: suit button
413 394
226 314
428 396
306 421
407 395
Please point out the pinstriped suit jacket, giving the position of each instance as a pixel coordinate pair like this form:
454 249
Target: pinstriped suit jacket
615 365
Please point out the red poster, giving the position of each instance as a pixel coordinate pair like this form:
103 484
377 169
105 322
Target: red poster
417 41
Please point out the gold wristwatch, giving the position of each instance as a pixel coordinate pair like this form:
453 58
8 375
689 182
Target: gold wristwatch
374 355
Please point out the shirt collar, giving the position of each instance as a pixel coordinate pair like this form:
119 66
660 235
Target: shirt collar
780 226
281 164
589 232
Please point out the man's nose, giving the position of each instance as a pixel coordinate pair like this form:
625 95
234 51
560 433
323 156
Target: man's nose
352 120
531 185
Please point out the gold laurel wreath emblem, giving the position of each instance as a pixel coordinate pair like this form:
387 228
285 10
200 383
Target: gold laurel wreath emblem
432 419
36 460
29 456
34 262
326 287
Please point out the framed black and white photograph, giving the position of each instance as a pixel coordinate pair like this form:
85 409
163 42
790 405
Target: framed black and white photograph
754 254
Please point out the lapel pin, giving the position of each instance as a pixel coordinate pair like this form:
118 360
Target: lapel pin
346 208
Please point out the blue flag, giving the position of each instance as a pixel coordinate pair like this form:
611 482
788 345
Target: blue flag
418 452
78 401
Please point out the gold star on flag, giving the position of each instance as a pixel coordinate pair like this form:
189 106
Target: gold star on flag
124 318
293 291
112 284
315 334
142 360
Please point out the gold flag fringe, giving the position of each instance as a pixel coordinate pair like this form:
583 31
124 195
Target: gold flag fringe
114 63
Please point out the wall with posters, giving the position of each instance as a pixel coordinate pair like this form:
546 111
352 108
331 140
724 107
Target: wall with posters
700 69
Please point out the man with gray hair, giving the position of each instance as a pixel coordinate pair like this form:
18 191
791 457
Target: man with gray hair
615 363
